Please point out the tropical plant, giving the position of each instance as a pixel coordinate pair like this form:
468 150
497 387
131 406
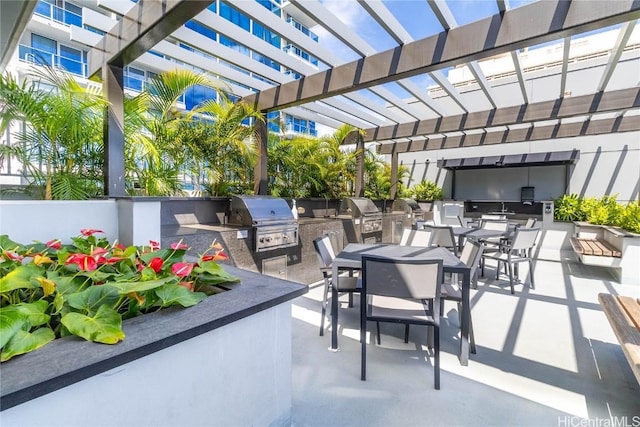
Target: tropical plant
427 190
630 217
567 208
60 144
219 135
86 288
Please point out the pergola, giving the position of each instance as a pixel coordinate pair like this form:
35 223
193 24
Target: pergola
341 92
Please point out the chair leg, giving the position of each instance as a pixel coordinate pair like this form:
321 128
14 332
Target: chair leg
406 333
533 284
378 332
436 365
324 307
472 339
511 278
350 299
498 270
363 336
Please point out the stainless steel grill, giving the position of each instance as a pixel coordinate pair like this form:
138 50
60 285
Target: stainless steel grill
270 218
410 206
364 210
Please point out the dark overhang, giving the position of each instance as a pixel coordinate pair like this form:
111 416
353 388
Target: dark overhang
512 160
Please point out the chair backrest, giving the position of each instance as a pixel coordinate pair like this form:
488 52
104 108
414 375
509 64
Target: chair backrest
463 222
524 238
420 238
493 216
401 277
498 225
324 250
531 222
471 254
442 235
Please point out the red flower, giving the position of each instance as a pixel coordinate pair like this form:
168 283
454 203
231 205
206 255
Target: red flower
113 260
220 256
154 245
98 251
11 256
84 262
156 263
176 246
90 231
181 269
54 244
187 285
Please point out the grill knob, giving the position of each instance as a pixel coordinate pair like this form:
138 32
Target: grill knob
262 240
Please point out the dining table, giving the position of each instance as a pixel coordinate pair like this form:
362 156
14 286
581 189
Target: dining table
478 234
351 258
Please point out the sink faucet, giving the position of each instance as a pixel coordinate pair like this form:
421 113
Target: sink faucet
503 209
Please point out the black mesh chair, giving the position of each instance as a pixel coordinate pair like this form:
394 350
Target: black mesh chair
401 279
452 291
325 253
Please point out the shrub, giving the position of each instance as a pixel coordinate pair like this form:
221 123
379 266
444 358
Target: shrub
602 211
568 208
427 190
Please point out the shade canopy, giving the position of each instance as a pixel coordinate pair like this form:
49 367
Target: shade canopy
512 160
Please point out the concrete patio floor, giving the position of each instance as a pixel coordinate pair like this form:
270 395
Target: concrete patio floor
545 357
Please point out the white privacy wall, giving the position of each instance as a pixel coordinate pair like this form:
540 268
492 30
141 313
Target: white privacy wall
237 375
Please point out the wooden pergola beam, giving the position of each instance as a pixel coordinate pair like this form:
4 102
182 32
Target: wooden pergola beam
618 100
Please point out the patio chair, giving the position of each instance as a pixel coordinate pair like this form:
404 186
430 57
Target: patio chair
442 235
349 284
415 238
452 291
402 284
520 249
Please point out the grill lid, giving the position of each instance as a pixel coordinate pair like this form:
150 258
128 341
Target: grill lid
359 206
259 210
406 205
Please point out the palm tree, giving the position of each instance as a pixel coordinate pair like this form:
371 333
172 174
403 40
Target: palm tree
220 136
60 147
155 158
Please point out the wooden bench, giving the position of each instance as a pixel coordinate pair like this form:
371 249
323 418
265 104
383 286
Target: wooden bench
623 314
594 247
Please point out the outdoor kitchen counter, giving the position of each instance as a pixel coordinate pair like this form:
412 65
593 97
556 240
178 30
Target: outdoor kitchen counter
69 360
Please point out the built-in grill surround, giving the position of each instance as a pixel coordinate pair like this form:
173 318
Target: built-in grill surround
364 210
410 206
270 218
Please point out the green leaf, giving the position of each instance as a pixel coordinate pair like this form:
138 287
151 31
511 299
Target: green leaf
174 294
105 327
7 244
212 273
24 342
20 278
147 274
93 298
34 312
141 286
11 321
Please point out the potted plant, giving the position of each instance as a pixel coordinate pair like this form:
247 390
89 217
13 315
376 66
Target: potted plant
86 288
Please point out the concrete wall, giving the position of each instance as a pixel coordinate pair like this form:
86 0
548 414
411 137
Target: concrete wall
216 378
608 164
26 221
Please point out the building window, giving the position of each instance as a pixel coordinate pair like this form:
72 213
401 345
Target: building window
231 14
266 35
298 125
60 11
235 46
201 29
45 51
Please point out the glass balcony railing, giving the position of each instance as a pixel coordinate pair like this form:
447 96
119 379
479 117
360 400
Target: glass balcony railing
58 14
40 57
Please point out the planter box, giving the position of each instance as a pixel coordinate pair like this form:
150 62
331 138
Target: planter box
225 361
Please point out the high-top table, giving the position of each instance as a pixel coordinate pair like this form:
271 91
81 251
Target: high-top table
351 257
478 234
